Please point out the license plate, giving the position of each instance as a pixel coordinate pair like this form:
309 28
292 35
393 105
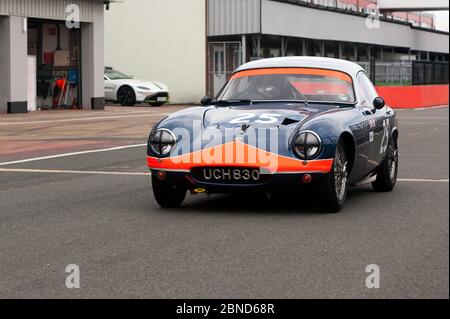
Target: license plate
162 99
231 174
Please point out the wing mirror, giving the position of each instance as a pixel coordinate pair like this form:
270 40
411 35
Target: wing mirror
379 103
207 100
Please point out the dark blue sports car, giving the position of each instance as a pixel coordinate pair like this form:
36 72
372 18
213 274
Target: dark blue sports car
279 124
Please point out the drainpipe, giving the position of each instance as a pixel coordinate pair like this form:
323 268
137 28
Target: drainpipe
244 49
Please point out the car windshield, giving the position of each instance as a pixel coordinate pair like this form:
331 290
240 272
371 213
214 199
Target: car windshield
116 75
313 85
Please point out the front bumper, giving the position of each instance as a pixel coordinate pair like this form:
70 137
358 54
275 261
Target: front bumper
269 182
285 173
159 97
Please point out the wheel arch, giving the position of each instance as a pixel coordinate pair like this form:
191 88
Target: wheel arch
119 87
395 134
350 148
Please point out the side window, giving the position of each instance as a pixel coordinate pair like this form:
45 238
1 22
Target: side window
367 92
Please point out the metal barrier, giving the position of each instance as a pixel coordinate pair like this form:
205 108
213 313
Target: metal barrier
389 73
407 73
425 72
396 73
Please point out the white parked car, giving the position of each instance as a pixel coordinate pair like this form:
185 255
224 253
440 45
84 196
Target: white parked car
123 89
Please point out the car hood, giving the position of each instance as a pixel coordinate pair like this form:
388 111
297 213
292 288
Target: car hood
261 115
258 125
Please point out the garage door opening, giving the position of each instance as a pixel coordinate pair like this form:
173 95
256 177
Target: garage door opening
54 65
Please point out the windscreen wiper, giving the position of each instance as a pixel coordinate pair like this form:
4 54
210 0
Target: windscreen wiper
336 103
305 99
232 102
304 102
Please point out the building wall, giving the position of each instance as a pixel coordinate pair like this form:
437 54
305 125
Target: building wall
13 49
234 17
92 60
4 63
299 21
13 64
163 40
48 9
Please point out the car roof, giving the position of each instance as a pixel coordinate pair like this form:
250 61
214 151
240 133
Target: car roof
348 67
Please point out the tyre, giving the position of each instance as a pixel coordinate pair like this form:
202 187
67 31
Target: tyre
168 195
333 189
126 96
388 171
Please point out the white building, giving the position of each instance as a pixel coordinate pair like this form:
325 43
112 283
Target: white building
37 49
163 40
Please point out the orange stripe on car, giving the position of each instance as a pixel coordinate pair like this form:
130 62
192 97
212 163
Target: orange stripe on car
237 154
303 71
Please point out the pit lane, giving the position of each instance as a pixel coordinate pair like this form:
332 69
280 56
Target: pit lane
96 209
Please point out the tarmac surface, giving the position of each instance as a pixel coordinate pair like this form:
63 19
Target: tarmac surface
64 200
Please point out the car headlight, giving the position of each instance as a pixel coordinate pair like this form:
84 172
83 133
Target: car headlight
162 142
143 88
307 145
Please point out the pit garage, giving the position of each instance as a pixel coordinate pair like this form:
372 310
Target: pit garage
51 55
53 65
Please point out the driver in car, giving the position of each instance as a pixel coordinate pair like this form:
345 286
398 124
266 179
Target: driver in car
273 87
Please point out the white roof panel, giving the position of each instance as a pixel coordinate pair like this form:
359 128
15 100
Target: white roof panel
305 62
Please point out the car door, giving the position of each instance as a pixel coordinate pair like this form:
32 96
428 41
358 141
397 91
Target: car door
110 89
378 128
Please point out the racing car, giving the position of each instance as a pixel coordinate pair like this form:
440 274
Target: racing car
125 90
279 124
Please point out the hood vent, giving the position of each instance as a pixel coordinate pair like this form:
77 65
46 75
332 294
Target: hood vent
288 121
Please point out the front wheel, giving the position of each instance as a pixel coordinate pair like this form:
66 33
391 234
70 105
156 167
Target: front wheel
168 195
388 171
126 96
334 188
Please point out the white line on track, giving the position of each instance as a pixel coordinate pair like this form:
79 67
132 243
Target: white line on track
72 154
431 108
45 116
87 119
78 172
423 180
51 171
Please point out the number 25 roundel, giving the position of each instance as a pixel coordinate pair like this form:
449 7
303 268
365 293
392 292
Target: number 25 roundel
265 118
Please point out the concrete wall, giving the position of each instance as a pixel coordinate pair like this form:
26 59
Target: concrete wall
299 21
160 40
13 64
92 59
419 96
4 62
